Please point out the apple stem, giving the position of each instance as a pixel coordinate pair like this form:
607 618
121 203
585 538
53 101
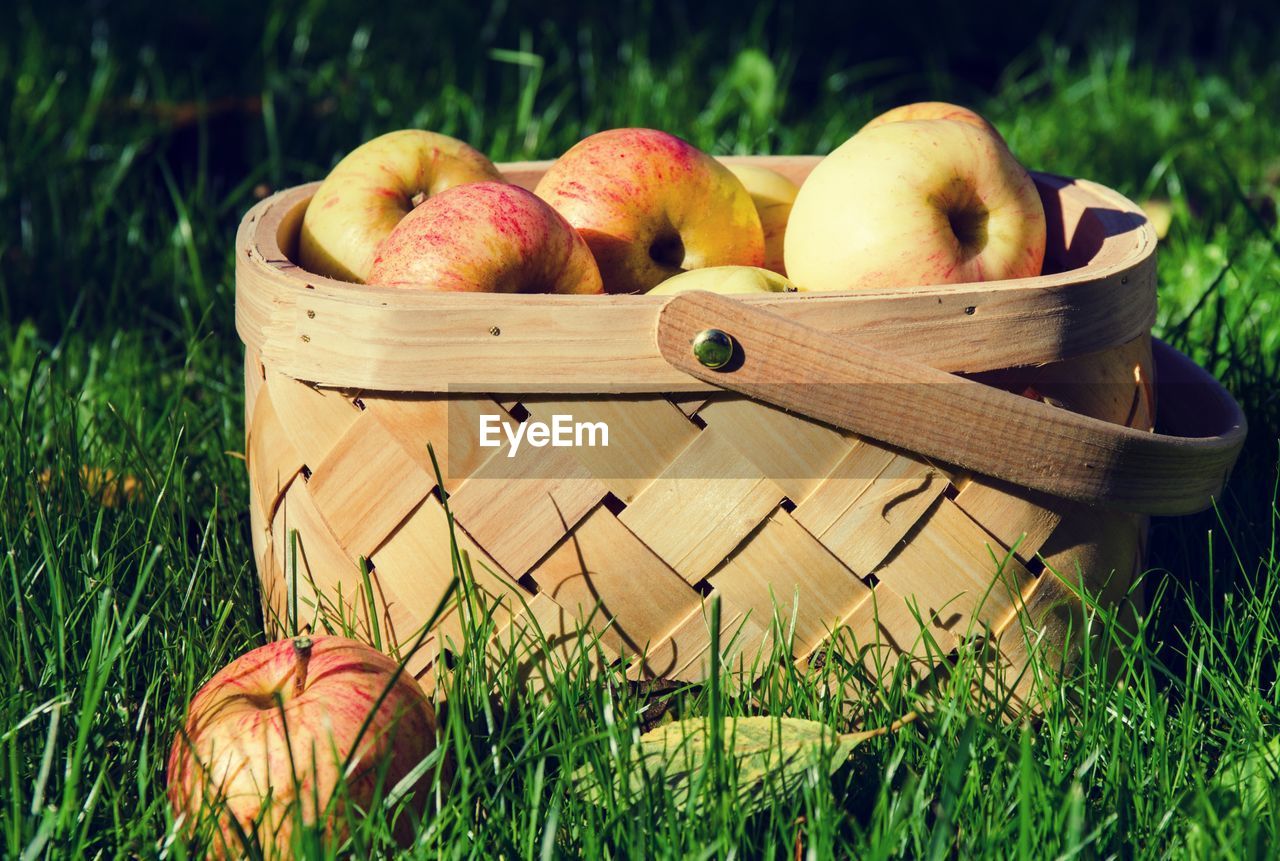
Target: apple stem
302 653
417 200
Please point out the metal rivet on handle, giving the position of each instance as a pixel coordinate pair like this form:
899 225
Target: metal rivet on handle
713 348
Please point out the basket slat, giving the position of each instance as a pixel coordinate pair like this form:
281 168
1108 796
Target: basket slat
1018 519
862 523
254 377
411 559
324 581
1051 618
604 573
686 654
273 460
950 555
702 506
794 452
645 434
544 638
886 629
781 569
519 507
367 484
411 418
314 419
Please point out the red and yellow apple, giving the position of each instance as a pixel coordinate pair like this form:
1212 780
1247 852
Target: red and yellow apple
932 111
726 279
651 205
916 202
773 194
486 237
267 740
377 184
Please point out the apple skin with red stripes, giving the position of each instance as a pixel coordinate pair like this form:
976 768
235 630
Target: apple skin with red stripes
375 186
486 237
267 740
651 205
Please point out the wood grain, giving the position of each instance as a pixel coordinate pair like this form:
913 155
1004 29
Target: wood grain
971 583
701 506
367 485
797 454
519 507
863 527
782 570
910 405
604 573
645 434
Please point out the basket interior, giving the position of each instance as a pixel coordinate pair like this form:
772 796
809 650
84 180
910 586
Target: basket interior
1075 235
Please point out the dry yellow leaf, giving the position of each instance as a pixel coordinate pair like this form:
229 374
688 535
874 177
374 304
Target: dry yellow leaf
104 485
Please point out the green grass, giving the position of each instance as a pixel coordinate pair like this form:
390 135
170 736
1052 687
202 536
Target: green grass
117 350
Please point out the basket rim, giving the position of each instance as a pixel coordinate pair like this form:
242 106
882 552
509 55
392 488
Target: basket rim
305 325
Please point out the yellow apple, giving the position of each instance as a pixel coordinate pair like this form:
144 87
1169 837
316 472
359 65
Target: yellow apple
651 205
726 279
932 111
486 237
773 194
915 203
367 193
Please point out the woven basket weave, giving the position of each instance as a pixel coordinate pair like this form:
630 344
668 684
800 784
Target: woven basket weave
704 491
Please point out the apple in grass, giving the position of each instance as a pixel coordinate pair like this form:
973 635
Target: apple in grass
916 202
268 739
486 237
651 205
773 194
367 193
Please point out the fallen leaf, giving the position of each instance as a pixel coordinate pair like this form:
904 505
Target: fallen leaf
1252 777
102 484
1244 781
1160 213
771 756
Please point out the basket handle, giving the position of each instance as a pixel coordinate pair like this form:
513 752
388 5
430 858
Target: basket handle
963 422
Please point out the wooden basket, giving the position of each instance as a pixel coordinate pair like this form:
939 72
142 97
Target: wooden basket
911 468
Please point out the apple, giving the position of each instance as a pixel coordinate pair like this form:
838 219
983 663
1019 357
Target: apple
917 202
726 279
367 193
486 237
773 194
651 206
932 111
265 742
